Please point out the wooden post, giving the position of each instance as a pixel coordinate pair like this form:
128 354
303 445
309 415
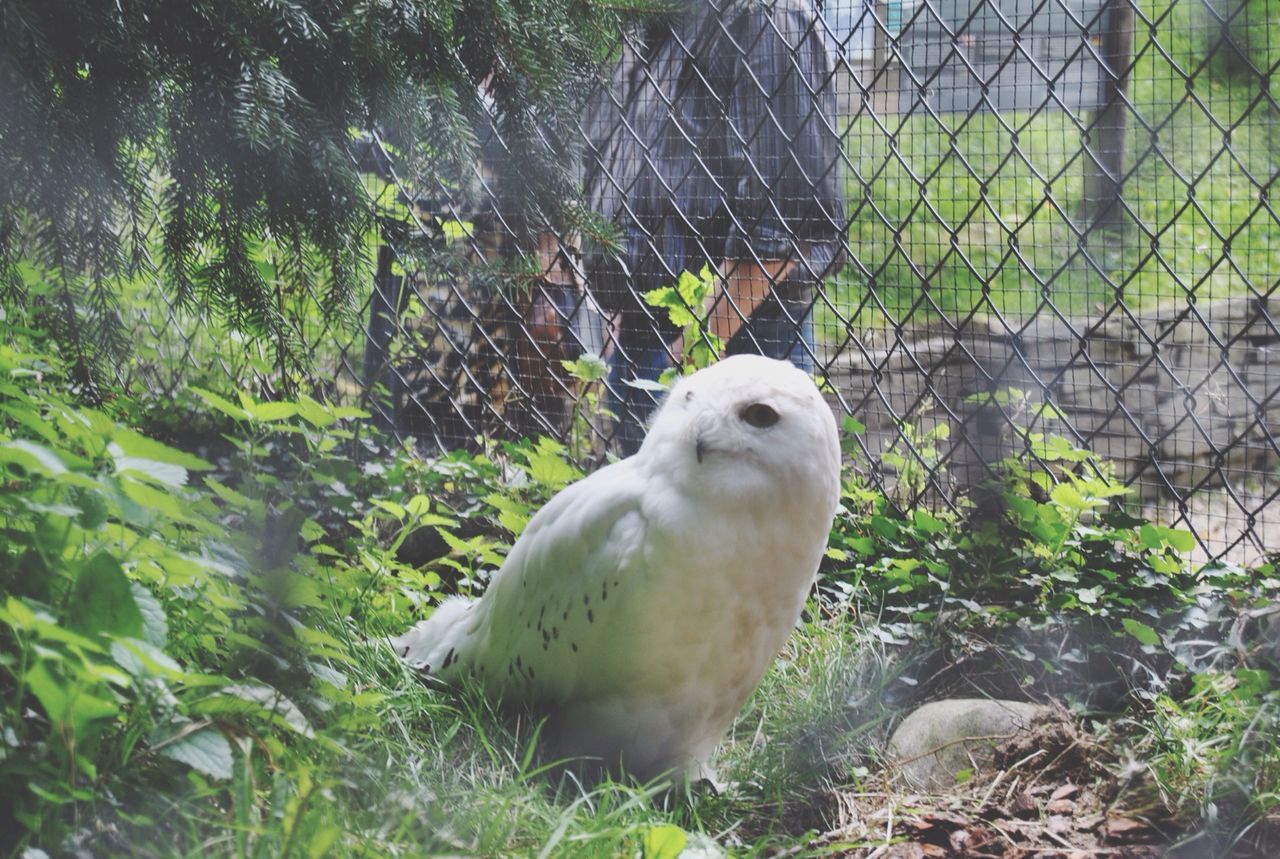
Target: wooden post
381 384
1104 141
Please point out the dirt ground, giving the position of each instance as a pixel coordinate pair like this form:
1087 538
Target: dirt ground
1053 792
1048 794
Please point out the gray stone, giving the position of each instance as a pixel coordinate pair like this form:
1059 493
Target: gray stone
1173 386
940 740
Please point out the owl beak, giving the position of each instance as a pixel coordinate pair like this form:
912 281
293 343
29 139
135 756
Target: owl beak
700 447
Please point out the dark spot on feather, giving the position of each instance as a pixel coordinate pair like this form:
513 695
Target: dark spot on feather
546 636
604 592
518 660
530 672
510 669
590 617
555 632
586 600
566 615
574 646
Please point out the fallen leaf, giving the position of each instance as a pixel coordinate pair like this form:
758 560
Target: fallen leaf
1066 791
1024 804
1058 824
1127 829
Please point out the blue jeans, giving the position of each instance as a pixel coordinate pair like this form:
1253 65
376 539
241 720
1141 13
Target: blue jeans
776 330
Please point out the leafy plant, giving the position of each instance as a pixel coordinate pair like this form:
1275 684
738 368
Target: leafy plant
146 624
686 305
584 436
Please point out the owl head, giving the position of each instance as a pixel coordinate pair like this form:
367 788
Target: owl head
748 427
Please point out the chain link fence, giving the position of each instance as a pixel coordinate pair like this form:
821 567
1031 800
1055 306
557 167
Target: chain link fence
978 221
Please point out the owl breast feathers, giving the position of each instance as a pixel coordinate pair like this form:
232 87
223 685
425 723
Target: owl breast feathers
642 605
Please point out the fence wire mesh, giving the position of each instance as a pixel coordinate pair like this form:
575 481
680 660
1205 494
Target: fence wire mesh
978 221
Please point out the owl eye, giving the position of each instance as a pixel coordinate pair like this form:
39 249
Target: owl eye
759 415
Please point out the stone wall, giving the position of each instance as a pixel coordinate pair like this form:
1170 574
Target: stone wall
1179 399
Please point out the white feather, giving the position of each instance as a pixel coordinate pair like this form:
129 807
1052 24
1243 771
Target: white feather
642 605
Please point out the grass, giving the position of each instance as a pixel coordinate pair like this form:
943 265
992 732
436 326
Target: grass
430 773
980 213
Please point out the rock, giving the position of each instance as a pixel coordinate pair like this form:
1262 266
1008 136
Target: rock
940 740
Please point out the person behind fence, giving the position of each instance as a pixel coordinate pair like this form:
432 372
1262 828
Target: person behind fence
715 145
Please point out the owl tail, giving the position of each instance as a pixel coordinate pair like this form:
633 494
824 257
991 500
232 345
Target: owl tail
435 646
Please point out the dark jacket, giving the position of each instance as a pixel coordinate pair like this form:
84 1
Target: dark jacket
717 141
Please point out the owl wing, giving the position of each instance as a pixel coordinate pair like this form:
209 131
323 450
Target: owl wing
542 628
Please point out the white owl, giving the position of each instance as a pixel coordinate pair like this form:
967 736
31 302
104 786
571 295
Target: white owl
641 606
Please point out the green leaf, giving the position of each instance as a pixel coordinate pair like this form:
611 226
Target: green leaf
67 703
548 467
253 698
1180 540
1065 495
1142 632
205 750
928 523
391 507
155 626
864 546
1089 596
141 659
270 411
322 840
219 404
589 368
647 385
102 600
135 444
315 413
663 841
418 506
31 458
160 472
1150 536
156 500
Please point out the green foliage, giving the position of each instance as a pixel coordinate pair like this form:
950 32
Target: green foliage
1213 753
217 136
686 305
191 656
146 627
585 437
1056 583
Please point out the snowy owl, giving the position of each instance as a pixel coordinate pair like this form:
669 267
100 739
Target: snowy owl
641 606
